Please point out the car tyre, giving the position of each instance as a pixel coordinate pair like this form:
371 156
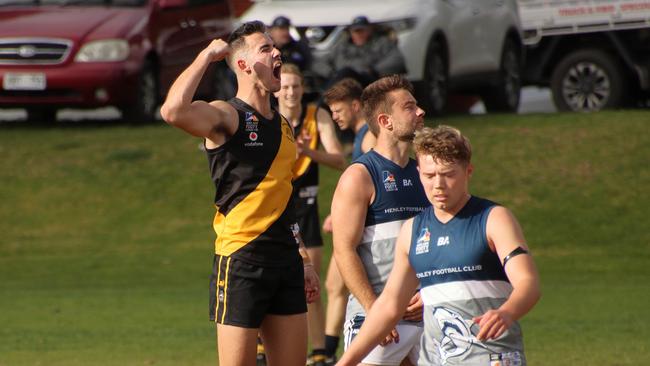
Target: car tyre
505 96
588 80
145 106
435 86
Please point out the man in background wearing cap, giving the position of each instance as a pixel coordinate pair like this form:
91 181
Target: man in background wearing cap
294 52
365 56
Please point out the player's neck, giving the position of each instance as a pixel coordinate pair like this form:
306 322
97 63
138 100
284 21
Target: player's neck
445 215
395 151
358 124
291 113
257 98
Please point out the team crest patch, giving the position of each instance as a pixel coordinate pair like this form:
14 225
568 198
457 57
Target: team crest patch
422 245
390 184
251 121
250 116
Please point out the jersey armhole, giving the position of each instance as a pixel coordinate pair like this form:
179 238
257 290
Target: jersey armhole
374 184
484 220
240 127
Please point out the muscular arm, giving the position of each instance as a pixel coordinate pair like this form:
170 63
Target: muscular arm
505 235
333 154
390 306
312 281
199 118
352 197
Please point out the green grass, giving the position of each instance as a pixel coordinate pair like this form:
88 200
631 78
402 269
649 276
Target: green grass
106 239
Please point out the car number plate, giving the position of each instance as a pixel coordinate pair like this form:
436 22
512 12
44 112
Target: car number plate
24 81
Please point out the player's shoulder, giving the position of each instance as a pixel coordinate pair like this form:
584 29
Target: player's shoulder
227 111
355 178
500 217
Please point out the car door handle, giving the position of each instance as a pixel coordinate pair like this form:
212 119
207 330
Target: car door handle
191 22
184 24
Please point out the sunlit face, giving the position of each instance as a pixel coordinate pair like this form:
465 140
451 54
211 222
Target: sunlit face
445 184
263 61
291 91
344 113
360 35
280 36
405 116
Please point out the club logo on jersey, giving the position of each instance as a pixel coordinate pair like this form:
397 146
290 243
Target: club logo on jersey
422 245
250 116
390 184
457 337
251 121
442 241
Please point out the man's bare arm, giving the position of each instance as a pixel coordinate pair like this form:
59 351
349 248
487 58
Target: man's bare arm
312 281
199 118
504 236
390 305
333 154
350 203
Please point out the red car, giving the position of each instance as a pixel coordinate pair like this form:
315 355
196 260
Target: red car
94 53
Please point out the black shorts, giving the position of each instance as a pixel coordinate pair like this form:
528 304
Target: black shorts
309 221
241 294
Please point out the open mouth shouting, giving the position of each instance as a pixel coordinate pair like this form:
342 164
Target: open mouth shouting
277 66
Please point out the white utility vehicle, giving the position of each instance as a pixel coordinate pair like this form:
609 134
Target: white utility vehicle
593 54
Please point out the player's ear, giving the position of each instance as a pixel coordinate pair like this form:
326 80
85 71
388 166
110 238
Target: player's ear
470 169
384 120
356 106
241 65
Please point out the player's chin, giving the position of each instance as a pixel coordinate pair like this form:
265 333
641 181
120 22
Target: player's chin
274 85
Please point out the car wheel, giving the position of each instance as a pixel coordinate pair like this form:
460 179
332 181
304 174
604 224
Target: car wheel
144 108
588 80
504 97
41 115
436 81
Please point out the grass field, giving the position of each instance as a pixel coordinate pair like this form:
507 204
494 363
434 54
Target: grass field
106 239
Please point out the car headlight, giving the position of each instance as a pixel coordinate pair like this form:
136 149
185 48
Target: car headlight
104 50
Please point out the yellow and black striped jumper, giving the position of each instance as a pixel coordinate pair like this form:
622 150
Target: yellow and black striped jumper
305 180
257 268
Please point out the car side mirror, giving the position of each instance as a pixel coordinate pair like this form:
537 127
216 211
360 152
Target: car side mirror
169 4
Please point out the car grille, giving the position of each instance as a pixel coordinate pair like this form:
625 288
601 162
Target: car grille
31 51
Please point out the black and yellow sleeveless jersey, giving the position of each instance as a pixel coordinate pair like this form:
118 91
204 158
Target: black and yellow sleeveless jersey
305 170
252 174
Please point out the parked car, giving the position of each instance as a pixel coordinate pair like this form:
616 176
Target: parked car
95 53
464 46
593 54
